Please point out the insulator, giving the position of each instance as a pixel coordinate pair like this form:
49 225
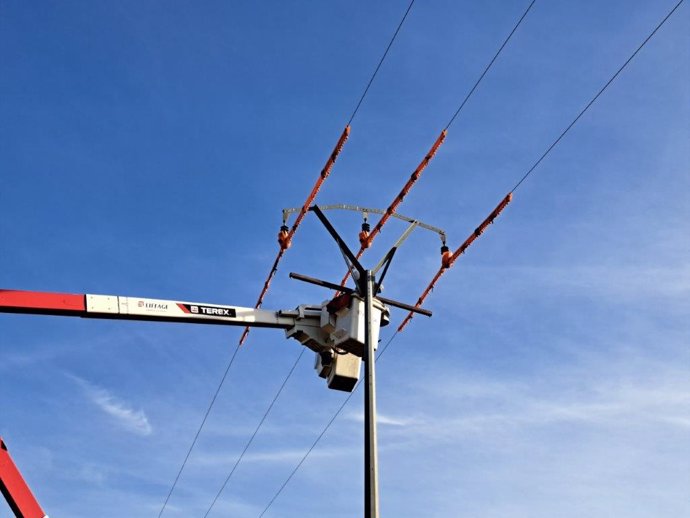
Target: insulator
284 237
364 235
446 257
364 238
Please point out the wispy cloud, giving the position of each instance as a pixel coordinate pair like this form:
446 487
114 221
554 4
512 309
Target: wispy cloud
285 455
382 419
631 282
122 413
597 400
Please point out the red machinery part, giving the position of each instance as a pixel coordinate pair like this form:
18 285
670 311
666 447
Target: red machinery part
14 488
16 301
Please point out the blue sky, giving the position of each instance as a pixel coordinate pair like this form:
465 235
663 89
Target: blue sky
147 148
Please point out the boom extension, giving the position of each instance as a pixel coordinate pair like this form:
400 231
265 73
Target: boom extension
335 333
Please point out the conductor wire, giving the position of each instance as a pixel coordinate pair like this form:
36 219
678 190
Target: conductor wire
274 269
201 426
323 432
598 94
476 84
256 431
593 100
376 71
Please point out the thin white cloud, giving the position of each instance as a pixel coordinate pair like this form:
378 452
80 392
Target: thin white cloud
381 419
122 413
483 409
631 282
286 455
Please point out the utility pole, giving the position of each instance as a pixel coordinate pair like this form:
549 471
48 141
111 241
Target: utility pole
371 469
367 290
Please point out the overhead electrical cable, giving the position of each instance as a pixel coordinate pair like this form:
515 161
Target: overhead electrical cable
196 435
256 431
366 243
323 432
593 100
464 247
488 66
391 209
449 260
376 70
285 236
461 250
287 240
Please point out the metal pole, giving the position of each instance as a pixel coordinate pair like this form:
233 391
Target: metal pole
371 472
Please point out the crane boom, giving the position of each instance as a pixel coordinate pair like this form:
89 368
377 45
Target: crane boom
15 489
138 308
334 332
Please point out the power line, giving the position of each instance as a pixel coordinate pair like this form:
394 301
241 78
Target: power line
476 84
592 101
256 431
383 349
274 269
376 71
416 174
508 198
323 432
196 436
339 410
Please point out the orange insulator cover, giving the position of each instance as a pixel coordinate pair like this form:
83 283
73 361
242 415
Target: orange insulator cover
398 199
408 185
363 239
284 239
446 259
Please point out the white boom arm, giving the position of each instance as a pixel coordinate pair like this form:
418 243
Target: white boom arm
334 329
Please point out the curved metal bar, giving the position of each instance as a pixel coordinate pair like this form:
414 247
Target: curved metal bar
368 210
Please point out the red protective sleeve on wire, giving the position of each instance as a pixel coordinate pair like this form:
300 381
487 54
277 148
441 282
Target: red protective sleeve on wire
461 250
400 197
406 188
303 211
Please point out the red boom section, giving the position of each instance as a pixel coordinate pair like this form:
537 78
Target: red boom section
14 488
285 244
399 198
461 250
16 301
